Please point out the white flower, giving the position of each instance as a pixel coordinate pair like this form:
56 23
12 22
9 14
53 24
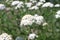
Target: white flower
57 16
29 4
47 4
42 0
57 5
5 36
39 4
38 19
27 20
33 1
2 7
15 3
34 7
19 6
32 36
58 12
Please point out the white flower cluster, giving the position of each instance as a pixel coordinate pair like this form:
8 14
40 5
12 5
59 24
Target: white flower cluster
2 7
29 20
58 14
5 36
57 5
18 4
47 4
39 20
33 4
32 36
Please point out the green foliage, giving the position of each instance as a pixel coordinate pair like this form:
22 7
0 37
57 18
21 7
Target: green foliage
9 23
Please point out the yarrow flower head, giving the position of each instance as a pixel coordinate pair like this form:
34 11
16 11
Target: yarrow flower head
2 6
19 5
15 3
58 14
5 36
39 19
27 20
32 36
48 4
57 5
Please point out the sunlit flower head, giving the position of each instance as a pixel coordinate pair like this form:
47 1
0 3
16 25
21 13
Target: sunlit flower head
48 4
15 3
19 6
58 12
5 36
27 20
57 5
39 19
57 16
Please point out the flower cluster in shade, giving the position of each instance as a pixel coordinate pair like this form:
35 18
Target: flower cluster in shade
5 36
30 19
58 14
